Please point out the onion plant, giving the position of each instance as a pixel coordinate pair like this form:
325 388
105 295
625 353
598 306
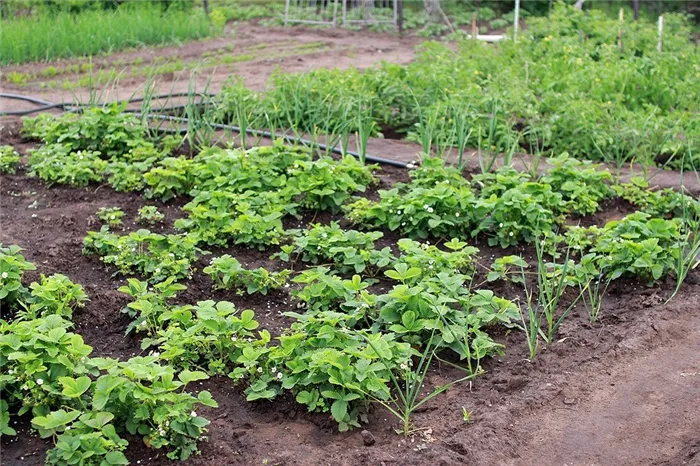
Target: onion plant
408 385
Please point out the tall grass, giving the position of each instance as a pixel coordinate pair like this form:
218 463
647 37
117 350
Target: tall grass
48 37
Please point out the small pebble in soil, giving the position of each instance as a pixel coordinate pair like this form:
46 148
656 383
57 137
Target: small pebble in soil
368 438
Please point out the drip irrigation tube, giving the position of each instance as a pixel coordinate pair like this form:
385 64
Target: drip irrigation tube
45 105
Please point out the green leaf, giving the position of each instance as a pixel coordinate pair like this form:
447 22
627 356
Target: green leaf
55 419
339 409
73 388
116 457
206 399
188 376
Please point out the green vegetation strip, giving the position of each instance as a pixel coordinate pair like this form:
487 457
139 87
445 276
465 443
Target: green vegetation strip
91 32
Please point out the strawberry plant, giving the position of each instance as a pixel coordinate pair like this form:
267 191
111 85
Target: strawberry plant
507 268
582 184
519 214
442 308
12 268
435 203
112 216
150 214
150 310
325 184
638 245
55 294
227 272
57 163
211 341
664 203
104 129
171 177
218 217
9 160
324 291
327 365
348 250
428 260
155 256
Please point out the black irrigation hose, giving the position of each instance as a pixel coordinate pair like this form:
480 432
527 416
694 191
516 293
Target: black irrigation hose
254 132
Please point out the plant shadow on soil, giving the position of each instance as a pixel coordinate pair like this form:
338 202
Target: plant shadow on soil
50 224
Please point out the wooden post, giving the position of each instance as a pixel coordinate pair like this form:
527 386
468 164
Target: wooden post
659 45
515 21
619 31
635 8
474 29
399 16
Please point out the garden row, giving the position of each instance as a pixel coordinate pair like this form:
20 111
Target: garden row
568 84
371 320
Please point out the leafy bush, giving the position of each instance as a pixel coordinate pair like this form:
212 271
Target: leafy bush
228 273
57 163
9 160
104 130
347 250
112 216
12 268
150 214
436 203
156 256
636 246
428 260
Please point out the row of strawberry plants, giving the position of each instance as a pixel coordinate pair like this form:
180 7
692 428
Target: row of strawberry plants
85 404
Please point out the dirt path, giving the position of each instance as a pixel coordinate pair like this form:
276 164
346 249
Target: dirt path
640 412
246 51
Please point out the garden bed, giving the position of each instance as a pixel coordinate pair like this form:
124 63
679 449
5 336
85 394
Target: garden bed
51 223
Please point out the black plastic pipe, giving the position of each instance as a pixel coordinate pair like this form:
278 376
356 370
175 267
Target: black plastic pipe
45 105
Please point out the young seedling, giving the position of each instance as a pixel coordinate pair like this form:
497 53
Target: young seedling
149 214
112 216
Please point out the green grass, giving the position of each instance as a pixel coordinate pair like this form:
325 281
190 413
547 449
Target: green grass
48 37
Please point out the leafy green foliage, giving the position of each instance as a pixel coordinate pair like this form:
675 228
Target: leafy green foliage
429 260
84 401
112 216
636 246
55 294
435 203
150 214
664 203
227 272
521 213
106 130
9 160
347 250
582 184
507 268
12 268
150 310
155 256
212 340
58 163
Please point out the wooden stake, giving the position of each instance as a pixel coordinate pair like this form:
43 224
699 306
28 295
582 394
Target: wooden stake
474 30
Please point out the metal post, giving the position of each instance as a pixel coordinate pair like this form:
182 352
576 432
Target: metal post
659 45
399 6
515 21
286 13
619 31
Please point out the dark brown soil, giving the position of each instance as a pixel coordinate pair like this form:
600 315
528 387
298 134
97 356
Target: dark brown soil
623 391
